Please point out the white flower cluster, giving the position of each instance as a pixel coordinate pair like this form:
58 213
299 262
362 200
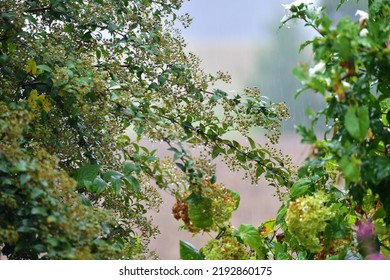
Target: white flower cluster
287 8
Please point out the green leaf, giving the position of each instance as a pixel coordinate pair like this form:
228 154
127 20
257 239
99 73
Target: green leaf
216 151
199 211
36 192
52 241
177 155
340 4
351 168
129 167
112 27
26 229
242 157
376 169
112 175
280 251
39 211
44 68
98 54
259 171
280 216
308 135
4 59
115 178
161 79
100 184
251 237
181 166
85 200
87 36
300 73
86 173
20 166
382 168
218 94
117 186
132 183
153 86
300 188
252 143
189 252
304 45
357 122
24 178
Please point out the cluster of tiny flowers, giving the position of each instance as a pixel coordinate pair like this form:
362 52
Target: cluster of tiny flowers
307 218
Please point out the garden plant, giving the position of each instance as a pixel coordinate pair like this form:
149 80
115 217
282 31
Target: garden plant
86 85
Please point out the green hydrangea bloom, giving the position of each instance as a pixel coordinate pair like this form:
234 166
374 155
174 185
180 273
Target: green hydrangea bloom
307 218
225 248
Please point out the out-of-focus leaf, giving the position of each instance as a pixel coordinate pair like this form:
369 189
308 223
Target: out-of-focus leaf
300 188
357 122
199 209
87 173
189 252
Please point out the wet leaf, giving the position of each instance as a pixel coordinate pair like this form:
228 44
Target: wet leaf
199 211
189 252
357 122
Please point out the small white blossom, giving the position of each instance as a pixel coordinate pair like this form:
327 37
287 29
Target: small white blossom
361 14
363 32
287 8
318 68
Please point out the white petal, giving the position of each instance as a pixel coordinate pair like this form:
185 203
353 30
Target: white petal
361 14
346 85
319 67
363 32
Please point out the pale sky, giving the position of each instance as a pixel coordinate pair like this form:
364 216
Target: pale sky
226 19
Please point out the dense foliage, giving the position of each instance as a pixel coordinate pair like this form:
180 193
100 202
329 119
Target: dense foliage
85 85
82 84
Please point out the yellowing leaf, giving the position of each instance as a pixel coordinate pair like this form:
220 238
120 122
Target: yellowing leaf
339 89
31 66
46 105
39 102
31 99
267 228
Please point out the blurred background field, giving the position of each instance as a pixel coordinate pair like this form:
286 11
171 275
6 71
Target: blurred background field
243 38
